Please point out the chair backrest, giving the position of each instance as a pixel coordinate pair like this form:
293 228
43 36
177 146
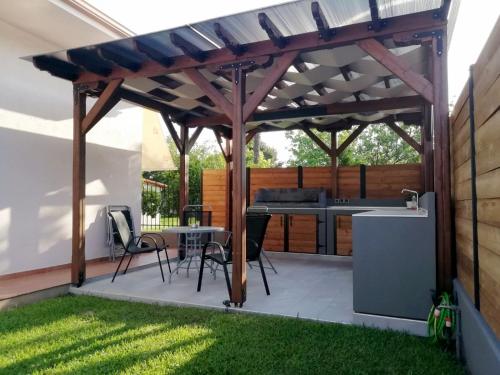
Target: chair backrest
122 227
256 231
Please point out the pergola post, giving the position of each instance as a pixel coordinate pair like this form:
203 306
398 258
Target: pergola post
229 185
333 163
427 157
78 230
239 277
183 171
442 182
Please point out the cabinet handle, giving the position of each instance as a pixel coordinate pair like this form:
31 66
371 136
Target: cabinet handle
281 221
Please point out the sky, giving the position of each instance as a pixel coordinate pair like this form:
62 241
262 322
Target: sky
475 21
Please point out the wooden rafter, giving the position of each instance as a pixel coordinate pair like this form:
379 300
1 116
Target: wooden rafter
304 42
120 56
317 140
189 49
272 31
279 68
346 74
351 138
228 39
405 136
215 95
324 30
398 67
89 59
154 50
107 100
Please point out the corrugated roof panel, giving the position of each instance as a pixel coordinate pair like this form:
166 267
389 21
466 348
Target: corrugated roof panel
290 18
393 8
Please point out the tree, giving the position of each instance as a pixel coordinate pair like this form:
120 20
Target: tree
202 156
308 154
151 201
376 145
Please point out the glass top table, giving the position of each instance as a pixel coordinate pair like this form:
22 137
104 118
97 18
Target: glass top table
193 244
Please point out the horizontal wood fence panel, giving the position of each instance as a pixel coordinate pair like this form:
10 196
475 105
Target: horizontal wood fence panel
486 73
381 182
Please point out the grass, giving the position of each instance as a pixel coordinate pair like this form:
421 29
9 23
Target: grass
87 335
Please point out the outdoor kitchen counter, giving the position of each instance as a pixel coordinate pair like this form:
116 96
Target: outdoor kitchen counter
394 260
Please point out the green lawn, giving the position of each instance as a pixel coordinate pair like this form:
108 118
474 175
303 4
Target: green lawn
86 335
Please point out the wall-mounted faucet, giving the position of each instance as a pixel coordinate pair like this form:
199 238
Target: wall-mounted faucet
411 192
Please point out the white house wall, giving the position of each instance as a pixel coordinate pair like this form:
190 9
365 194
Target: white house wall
36 162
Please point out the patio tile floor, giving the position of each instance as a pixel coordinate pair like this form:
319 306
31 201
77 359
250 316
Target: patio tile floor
306 286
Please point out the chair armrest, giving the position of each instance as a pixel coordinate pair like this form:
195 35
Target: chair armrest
149 237
217 245
158 236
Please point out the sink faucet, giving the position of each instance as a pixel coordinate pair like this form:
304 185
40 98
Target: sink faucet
411 192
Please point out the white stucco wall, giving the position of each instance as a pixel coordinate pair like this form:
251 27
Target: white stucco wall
36 162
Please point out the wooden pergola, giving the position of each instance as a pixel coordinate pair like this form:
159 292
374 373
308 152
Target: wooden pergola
383 70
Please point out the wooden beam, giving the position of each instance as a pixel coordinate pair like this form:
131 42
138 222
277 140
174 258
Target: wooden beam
398 67
120 56
229 185
193 138
239 276
183 172
317 140
405 136
188 48
416 22
228 39
147 102
324 30
215 95
317 111
442 182
78 226
272 31
333 164
154 50
90 60
56 67
172 131
355 133
428 157
251 134
107 100
223 149
279 68
345 71
376 24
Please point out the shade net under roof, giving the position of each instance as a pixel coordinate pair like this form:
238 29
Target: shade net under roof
321 77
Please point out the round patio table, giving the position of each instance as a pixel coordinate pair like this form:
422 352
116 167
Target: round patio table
193 244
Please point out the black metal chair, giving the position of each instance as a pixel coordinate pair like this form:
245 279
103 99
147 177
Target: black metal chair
134 245
256 230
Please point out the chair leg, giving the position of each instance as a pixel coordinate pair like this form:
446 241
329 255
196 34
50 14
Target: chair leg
161 268
119 264
228 282
200 276
128 264
168 261
264 276
268 261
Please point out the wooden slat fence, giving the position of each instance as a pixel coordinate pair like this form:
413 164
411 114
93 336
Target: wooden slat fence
486 94
381 182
